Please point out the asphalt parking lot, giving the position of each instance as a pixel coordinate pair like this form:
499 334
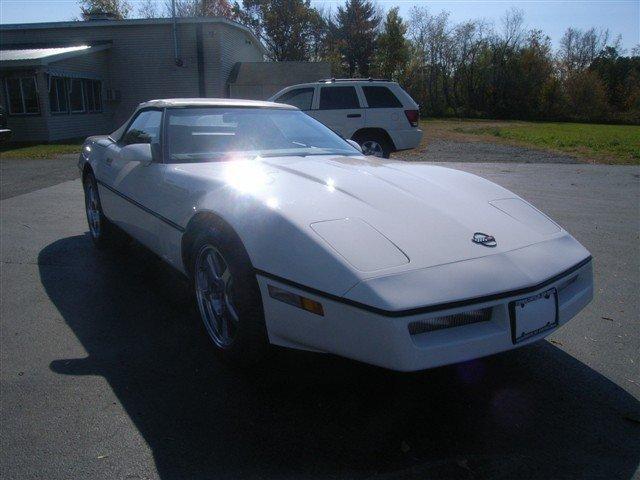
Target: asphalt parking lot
106 373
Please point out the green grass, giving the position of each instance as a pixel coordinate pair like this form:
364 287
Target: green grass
42 151
602 143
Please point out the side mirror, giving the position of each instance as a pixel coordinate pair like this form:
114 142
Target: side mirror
354 144
138 152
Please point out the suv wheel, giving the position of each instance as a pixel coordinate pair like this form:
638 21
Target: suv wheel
375 146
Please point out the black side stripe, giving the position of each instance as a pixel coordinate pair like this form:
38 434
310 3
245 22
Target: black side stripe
142 207
428 308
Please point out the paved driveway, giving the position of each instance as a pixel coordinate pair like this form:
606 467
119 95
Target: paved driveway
105 371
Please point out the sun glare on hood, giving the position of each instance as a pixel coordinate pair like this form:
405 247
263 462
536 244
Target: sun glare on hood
247 176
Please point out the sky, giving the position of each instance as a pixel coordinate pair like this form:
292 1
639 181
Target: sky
621 17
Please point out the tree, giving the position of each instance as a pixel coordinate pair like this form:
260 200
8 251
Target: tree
586 96
392 53
149 9
200 8
357 23
287 27
616 71
579 48
120 9
432 47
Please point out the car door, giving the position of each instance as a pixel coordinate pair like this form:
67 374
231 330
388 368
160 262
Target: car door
131 183
340 109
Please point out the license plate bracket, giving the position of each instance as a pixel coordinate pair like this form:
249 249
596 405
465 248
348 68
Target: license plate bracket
533 315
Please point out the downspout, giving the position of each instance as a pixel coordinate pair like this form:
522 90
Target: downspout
200 60
176 55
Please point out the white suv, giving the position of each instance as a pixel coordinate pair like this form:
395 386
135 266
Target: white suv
378 114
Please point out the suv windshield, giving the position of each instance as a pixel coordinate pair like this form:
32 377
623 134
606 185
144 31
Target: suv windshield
210 134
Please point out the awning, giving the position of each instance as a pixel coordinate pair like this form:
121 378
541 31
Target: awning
29 57
61 72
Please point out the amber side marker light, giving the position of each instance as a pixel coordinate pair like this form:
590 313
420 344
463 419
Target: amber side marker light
295 300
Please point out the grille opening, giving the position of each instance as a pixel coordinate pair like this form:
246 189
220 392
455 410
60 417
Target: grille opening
450 321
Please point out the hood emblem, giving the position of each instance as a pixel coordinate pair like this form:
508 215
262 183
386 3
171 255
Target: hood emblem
484 239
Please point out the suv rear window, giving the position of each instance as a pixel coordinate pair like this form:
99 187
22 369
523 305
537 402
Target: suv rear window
381 97
338 98
300 97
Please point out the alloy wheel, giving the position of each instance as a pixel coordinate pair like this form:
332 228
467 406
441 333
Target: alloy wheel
93 209
214 293
371 147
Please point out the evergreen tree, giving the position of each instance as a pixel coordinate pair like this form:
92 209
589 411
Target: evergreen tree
357 24
392 53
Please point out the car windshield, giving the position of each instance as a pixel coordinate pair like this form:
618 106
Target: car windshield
214 134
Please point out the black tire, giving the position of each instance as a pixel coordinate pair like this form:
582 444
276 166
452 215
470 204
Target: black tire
249 344
382 147
106 234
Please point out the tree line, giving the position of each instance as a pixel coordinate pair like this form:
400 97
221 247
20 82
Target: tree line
468 69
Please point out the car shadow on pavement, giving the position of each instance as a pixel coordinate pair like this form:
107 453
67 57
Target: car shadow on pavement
535 412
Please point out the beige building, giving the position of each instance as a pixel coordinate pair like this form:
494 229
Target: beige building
74 79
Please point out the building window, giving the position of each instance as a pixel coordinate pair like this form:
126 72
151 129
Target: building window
76 96
58 95
22 95
93 94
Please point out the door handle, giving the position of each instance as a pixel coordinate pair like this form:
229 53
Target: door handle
354 115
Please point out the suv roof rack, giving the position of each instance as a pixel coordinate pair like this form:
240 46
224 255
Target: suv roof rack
332 80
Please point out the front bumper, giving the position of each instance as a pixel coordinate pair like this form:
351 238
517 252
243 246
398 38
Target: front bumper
385 340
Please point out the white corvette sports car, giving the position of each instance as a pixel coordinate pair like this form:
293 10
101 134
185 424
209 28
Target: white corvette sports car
292 237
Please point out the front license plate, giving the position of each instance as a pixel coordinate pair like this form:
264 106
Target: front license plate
533 315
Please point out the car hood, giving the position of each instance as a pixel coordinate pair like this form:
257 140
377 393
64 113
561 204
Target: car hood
370 210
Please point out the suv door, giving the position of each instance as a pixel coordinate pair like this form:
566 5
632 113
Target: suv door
384 109
340 109
130 199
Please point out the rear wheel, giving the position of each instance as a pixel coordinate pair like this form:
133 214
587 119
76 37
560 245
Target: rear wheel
228 297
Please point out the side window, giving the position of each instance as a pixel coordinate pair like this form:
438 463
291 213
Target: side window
144 129
300 97
337 98
381 97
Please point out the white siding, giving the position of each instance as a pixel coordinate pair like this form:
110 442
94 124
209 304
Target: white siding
76 125
235 46
140 63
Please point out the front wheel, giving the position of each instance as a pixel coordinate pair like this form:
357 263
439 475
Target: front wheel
375 146
103 233
228 297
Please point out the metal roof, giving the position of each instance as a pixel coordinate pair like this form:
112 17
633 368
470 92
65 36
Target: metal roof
13 57
213 102
133 22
